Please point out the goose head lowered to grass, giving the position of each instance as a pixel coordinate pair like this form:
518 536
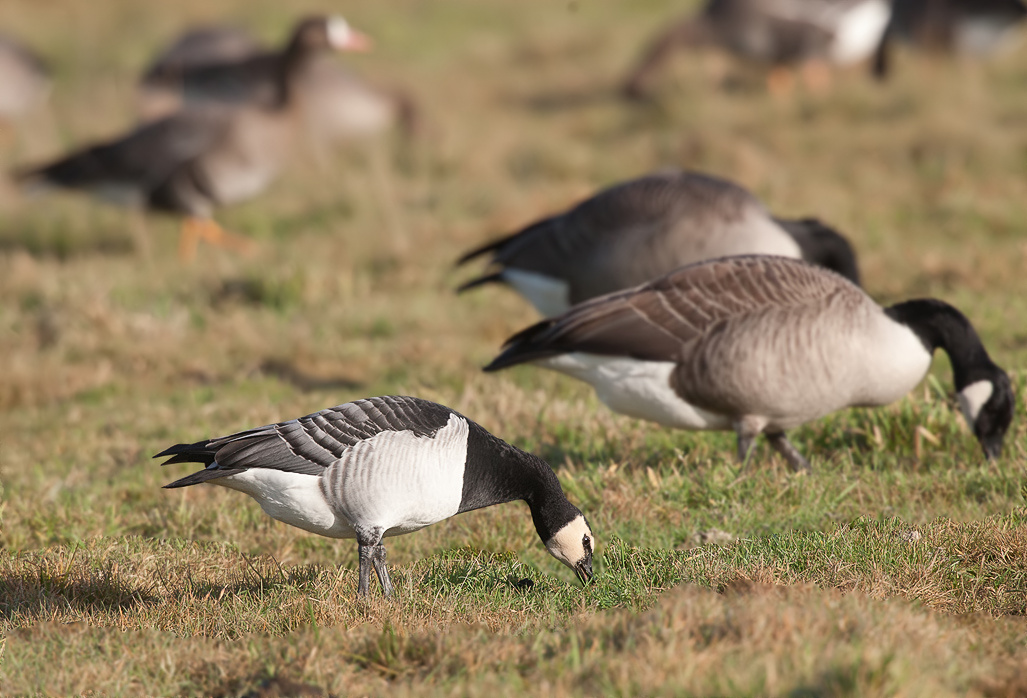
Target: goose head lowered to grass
761 345
385 466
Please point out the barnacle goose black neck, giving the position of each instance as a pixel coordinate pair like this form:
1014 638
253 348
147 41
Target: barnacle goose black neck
643 228
385 466
762 345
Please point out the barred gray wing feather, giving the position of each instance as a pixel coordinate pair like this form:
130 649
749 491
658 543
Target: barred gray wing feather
312 443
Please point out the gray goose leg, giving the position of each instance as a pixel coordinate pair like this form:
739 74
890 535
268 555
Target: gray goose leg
747 433
378 560
366 553
368 541
780 443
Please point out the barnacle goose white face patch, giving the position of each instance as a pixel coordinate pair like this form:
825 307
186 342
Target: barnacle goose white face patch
568 544
972 398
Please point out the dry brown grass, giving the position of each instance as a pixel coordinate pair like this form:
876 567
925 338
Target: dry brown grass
105 358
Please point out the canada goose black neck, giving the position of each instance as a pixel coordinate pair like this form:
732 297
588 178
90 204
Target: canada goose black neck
940 326
497 472
823 246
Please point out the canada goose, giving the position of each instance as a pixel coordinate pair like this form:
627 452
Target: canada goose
385 466
199 158
24 79
159 94
963 26
761 345
643 228
210 65
778 33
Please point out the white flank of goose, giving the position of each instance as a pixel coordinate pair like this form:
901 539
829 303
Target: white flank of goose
761 345
385 466
644 228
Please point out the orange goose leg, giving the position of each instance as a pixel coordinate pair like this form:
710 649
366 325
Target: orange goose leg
780 81
195 229
816 74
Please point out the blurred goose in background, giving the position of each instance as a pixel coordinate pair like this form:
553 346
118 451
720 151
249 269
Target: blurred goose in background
643 228
762 345
24 79
223 64
206 156
160 88
777 33
386 466
962 26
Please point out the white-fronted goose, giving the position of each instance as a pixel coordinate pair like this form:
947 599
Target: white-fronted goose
777 33
24 79
195 160
254 78
640 230
963 26
337 105
385 466
762 345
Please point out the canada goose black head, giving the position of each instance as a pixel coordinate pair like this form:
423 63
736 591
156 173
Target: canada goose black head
984 391
988 404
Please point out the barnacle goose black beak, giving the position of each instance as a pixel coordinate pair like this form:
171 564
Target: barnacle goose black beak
992 446
583 570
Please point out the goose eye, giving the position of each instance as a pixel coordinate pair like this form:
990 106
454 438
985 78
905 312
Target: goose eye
586 543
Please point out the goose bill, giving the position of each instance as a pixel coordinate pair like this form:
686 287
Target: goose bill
583 570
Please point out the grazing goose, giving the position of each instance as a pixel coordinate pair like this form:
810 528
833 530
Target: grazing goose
385 466
199 158
778 33
254 78
24 79
211 65
762 345
963 26
641 229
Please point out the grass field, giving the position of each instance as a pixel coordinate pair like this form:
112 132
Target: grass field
898 568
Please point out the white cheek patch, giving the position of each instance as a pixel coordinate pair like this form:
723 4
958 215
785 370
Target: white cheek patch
566 545
339 32
972 398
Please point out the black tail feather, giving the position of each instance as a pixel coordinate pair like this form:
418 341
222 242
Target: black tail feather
199 452
491 246
202 476
520 348
496 278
